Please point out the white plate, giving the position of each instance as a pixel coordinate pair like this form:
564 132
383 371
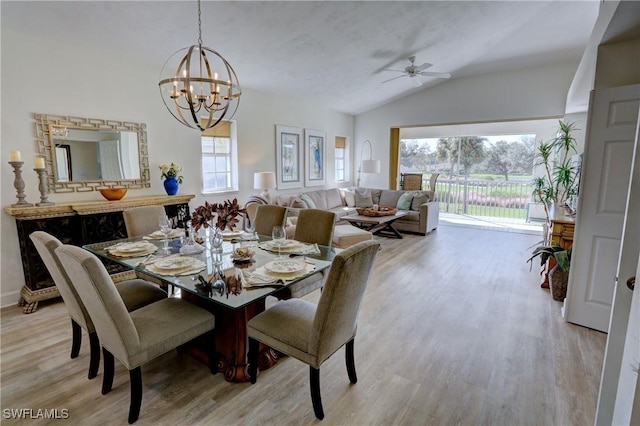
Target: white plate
232 234
285 266
134 247
175 233
173 263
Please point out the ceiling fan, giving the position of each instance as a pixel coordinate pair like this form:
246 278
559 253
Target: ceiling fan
414 71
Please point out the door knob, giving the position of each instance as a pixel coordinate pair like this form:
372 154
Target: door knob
631 283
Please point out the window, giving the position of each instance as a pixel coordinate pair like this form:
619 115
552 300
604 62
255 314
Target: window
219 159
341 169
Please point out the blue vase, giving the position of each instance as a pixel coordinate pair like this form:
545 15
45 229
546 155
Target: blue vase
171 185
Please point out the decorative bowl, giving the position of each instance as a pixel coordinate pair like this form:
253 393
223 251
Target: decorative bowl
113 194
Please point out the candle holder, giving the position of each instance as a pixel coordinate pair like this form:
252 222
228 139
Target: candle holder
18 183
43 187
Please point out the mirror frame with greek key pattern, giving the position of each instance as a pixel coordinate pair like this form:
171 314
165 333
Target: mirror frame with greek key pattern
44 140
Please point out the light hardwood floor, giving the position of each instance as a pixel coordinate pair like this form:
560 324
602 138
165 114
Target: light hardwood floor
454 329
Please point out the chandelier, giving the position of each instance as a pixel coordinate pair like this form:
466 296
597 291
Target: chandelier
204 88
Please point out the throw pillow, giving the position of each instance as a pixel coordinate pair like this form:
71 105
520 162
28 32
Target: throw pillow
297 203
349 198
363 198
308 201
404 202
419 200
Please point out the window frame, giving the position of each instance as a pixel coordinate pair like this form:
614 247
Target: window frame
232 159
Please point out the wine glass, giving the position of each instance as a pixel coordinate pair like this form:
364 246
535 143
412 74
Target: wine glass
278 235
250 229
165 228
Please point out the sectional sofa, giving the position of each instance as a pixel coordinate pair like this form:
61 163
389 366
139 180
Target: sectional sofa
422 212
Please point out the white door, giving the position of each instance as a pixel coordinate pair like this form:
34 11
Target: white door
618 383
602 203
628 388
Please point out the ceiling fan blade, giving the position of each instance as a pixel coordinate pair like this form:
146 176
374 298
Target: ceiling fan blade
424 66
389 69
400 76
436 74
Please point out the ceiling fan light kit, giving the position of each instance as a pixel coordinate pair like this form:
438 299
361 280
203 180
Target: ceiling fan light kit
414 72
204 88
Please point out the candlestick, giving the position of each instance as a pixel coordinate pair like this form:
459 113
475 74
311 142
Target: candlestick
18 183
38 163
43 187
15 156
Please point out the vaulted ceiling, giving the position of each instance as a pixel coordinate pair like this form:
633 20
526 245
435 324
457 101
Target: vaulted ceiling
330 53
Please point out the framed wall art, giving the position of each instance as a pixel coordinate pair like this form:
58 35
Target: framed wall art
289 149
315 157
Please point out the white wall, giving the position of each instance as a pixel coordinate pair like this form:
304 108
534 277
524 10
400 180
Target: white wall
517 95
46 77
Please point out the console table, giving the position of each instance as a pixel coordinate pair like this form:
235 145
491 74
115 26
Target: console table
78 223
561 232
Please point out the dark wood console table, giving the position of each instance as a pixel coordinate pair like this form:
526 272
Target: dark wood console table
78 223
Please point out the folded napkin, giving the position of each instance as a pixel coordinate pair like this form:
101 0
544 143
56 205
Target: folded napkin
263 278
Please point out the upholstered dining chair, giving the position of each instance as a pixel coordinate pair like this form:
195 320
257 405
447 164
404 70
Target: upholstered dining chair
267 216
143 220
137 337
313 333
134 293
314 226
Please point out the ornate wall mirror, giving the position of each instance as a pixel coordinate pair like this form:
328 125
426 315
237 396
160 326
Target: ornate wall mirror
84 154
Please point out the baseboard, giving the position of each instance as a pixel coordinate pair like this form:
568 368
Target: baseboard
9 299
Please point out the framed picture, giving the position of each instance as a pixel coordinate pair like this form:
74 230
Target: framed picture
289 149
315 156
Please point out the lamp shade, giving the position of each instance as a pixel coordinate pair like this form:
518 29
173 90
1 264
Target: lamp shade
370 166
264 180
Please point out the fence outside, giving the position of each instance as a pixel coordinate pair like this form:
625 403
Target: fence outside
483 197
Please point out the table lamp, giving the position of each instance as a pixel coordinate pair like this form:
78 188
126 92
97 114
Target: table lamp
264 181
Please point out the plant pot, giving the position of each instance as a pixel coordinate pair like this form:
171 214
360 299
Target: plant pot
171 185
558 280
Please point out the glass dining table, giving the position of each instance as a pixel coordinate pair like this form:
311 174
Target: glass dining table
232 304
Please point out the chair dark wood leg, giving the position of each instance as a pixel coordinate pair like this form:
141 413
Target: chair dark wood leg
316 398
135 377
254 349
211 349
94 362
351 364
76 339
107 378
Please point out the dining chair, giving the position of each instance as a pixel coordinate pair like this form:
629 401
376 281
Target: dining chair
134 293
137 337
314 226
141 221
433 179
313 333
268 216
411 181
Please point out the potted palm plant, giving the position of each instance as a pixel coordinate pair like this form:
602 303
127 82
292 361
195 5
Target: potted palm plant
559 274
558 180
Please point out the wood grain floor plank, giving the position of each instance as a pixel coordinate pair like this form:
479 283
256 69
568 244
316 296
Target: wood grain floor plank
454 329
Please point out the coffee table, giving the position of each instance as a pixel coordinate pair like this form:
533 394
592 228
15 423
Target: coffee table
377 225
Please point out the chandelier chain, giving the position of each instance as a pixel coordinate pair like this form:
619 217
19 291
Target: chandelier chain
199 26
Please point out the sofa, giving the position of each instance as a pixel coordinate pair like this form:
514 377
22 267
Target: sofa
422 212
